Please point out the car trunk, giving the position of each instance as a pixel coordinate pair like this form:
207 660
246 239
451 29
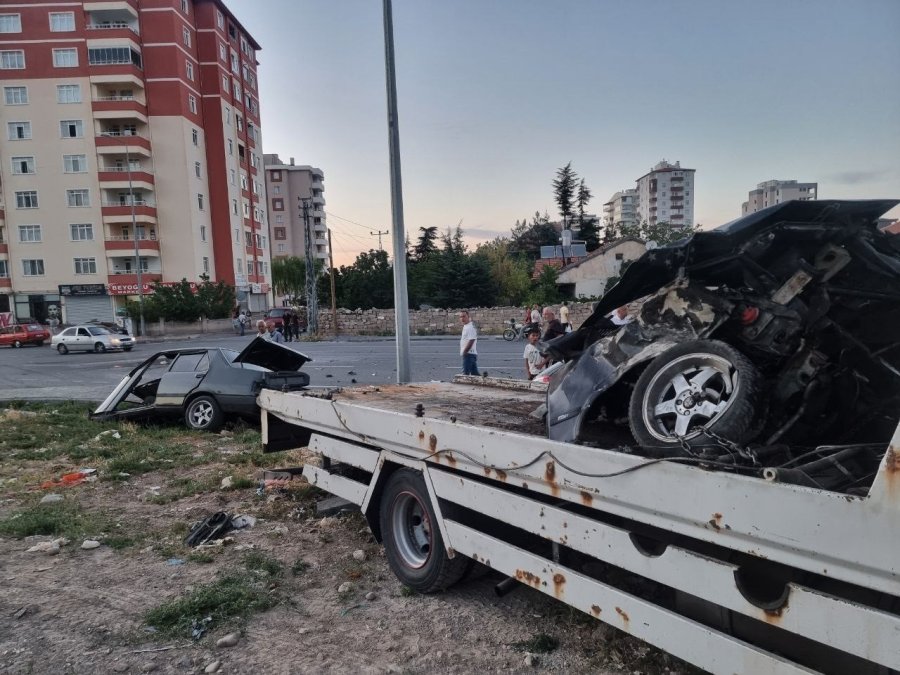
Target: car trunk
283 362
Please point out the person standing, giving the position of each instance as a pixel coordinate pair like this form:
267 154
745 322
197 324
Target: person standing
564 316
468 348
287 326
295 325
534 361
236 320
536 314
243 319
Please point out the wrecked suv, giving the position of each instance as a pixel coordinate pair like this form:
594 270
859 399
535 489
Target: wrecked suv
204 386
778 330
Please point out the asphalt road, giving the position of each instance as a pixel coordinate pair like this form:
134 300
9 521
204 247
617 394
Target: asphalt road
36 373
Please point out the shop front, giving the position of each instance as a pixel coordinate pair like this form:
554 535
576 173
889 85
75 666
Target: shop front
85 303
39 307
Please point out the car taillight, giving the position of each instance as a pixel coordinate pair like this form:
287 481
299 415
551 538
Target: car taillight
749 315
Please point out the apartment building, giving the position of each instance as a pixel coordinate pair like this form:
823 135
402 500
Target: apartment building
287 185
773 192
666 194
620 209
131 141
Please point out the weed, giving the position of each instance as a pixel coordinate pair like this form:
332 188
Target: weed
299 567
537 644
64 519
406 592
242 483
229 599
260 563
201 557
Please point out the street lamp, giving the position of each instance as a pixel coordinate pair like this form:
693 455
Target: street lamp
137 252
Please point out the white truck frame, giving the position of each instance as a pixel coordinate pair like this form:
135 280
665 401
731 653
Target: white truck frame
749 576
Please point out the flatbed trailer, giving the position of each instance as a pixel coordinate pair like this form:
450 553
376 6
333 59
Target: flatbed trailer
732 573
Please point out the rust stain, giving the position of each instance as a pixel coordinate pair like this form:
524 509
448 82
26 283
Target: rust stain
550 472
621 612
421 436
587 498
774 616
501 474
559 581
527 577
432 442
524 485
716 522
892 468
595 610
487 471
451 460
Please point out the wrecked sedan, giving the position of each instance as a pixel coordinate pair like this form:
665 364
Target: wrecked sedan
206 387
775 332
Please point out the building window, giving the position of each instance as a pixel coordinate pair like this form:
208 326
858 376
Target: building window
186 36
234 206
111 56
250 267
30 233
10 23
65 58
200 201
82 231
15 95
278 205
197 169
85 265
206 265
240 122
75 163
71 129
243 181
228 116
62 22
279 219
276 189
233 177
282 248
225 83
13 59
220 20
276 176
27 199
246 209
237 91
230 147
22 165
235 64
189 69
184 6
192 103
4 269
280 233
203 233
78 197
223 52
195 136
33 268
68 93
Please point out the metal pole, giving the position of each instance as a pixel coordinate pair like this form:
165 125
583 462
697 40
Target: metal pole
401 301
312 303
378 234
137 252
333 298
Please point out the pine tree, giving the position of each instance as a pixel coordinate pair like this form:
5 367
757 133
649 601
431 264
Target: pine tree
564 188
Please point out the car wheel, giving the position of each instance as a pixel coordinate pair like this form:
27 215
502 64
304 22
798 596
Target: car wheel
692 388
127 349
99 347
40 343
17 344
509 335
204 414
62 349
412 541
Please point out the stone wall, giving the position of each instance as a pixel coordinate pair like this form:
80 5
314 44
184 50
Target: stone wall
184 328
489 320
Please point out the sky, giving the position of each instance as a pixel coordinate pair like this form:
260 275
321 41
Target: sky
495 95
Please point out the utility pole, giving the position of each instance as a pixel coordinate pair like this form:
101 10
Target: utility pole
378 234
333 298
401 298
137 252
312 303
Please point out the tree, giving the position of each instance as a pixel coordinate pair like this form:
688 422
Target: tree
510 272
177 302
545 291
589 232
289 276
426 244
665 233
564 187
584 196
528 239
368 282
215 300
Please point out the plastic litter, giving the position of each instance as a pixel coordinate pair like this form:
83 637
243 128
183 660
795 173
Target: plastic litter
213 527
73 478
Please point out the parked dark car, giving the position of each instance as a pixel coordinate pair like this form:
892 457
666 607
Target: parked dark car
19 335
752 344
206 387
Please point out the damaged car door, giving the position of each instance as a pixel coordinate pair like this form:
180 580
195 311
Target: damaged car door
184 375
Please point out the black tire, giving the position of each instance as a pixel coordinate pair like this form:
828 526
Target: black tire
127 349
17 344
40 343
204 414
509 335
99 347
724 394
62 349
412 541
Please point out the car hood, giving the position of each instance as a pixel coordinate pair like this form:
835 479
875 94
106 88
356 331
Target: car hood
271 355
660 266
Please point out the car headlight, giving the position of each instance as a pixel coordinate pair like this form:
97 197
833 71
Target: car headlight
115 341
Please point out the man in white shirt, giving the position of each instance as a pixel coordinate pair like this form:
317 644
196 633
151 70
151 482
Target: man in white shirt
564 316
536 315
534 362
468 344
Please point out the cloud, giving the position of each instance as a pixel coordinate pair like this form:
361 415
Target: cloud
480 233
859 177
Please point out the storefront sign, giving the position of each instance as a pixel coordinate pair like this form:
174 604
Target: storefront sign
255 288
132 289
82 289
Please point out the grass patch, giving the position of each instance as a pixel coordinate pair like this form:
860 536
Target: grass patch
231 599
201 557
62 519
299 567
537 644
262 564
406 592
242 483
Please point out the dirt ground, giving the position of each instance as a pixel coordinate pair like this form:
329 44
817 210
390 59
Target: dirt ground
85 611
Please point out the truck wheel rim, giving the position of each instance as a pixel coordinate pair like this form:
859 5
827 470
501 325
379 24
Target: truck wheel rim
412 530
688 395
201 414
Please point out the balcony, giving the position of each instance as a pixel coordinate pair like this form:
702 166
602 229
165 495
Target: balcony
118 177
318 200
119 141
117 212
118 107
111 29
5 282
4 248
124 245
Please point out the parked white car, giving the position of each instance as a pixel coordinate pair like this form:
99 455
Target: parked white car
90 339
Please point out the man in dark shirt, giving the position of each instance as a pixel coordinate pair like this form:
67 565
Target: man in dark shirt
554 327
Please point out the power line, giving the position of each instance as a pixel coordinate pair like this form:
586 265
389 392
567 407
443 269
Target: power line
378 234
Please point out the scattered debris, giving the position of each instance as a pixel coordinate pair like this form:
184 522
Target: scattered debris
51 498
109 432
370 596
346 587
49 547
213 667
174 562
226 483
229 640
208 529
359 555
242 521
89 544
19 614
73 478
199 626
530 660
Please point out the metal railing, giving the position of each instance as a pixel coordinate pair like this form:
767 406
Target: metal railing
137 202
118 134
145 237
115 98
112 25
123 169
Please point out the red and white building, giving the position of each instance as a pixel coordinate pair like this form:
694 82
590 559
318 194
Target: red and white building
130 136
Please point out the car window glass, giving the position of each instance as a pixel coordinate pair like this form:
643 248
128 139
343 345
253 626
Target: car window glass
34 326
96 330
82 332
68 332
186 363
230 355
203 366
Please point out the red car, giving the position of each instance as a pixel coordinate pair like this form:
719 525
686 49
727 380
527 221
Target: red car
20 335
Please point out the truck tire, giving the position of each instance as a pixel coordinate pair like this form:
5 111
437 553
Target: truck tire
692 387
412 541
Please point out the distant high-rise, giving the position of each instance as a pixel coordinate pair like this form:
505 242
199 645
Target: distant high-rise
773 192
620 211
287 185
666 195
131 141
